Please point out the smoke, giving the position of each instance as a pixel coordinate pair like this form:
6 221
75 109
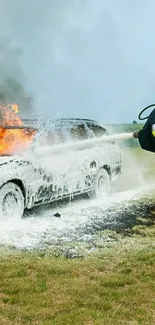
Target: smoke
84 57
11 79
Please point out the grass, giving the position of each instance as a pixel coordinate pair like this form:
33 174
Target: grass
115 285
109 288
126 127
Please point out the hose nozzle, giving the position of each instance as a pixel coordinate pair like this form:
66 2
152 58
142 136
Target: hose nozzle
135 134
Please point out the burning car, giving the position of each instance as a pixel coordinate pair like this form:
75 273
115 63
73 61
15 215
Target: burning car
48 161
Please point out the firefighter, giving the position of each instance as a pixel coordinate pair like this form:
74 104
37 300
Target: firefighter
146 135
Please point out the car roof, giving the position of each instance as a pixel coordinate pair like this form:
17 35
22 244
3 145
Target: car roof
60 121
36 124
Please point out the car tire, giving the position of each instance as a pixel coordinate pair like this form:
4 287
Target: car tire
11 201
101 185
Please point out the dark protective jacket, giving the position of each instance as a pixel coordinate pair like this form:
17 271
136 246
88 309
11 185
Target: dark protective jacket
146 136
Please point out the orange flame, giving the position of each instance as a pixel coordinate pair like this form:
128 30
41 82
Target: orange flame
13 140
15 108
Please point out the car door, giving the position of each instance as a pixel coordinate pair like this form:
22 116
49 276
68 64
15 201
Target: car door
89 156
58 166
77 134
115 152
51 168
99 153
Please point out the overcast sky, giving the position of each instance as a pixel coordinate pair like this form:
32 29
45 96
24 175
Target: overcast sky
85 58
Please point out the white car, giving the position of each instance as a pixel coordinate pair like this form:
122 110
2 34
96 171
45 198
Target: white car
48 173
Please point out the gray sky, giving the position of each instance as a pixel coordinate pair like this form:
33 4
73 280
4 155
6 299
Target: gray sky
85 58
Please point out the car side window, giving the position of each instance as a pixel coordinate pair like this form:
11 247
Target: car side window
97 130
78 132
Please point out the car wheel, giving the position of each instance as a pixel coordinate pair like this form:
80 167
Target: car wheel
11 201
102 184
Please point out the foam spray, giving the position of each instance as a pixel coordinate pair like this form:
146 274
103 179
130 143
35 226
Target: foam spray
88 143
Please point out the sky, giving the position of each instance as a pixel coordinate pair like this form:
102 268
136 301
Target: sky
84 58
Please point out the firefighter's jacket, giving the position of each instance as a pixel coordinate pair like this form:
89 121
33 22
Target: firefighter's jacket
146 136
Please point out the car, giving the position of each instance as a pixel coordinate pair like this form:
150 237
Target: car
57 165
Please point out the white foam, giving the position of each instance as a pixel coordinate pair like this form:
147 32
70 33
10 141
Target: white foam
88 143
36 230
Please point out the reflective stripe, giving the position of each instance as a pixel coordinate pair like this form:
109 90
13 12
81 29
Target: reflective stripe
153 130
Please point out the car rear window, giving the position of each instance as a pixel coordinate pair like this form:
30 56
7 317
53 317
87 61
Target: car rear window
78 132
97 131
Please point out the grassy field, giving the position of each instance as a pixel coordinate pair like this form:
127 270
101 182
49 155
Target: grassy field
115 285
108 289
126 127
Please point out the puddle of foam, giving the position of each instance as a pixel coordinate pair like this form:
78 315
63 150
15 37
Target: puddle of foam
30 232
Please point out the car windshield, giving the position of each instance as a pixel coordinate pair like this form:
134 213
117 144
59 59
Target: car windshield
49 138
14 139
18 138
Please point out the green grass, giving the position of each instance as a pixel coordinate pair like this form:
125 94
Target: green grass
126 127
109 288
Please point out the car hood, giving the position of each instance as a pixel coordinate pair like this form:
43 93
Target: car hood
5 159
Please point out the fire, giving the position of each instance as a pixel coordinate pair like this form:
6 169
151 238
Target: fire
13 139
15 108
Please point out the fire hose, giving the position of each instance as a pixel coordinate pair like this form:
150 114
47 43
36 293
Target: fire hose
143 110
89 142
